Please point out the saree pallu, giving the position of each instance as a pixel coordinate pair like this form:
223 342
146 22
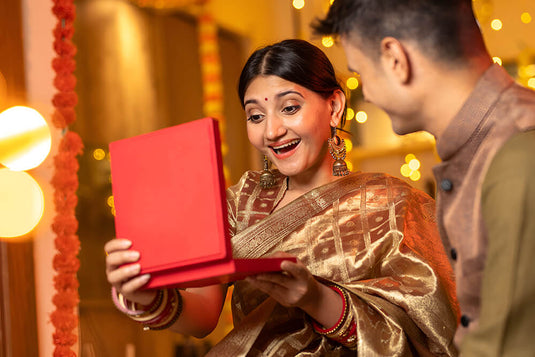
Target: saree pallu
371 234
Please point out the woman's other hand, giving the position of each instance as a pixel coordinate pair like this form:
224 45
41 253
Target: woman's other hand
295 286
122 271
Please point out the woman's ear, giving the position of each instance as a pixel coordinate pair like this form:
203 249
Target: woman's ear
338 105
395 59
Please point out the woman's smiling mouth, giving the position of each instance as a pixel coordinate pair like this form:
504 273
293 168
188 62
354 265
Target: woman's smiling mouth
286 147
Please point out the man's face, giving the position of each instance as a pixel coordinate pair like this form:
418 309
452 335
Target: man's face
382 87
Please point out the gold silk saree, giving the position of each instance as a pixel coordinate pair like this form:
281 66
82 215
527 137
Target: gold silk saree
371 234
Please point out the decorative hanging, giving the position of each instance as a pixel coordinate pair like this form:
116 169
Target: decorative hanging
65 183
211 76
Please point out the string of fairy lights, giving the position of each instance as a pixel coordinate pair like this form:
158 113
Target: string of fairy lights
484 10
411 165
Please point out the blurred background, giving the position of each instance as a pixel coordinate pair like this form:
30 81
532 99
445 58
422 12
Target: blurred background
142 65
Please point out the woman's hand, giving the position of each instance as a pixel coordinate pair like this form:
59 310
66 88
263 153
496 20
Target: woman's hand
295 286
122 271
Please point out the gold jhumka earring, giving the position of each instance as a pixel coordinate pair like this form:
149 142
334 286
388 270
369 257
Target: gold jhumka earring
267 179
337 148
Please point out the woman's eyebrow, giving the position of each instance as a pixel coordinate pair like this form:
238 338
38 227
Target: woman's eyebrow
282 94
279 95
248 101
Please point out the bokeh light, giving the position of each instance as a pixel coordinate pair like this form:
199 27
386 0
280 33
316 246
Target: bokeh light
25 138
352 83
327 41
350 114
22 203
349 145
409 157
525 17
415 175
99 154
496 24
531 83
414 164
410 167
298 4
405 170
361 116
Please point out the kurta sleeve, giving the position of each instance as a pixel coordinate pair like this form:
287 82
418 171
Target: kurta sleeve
507 318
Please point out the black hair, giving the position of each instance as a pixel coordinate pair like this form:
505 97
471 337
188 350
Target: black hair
437 27
294 60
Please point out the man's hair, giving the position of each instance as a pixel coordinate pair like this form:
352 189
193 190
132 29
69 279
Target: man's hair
437 27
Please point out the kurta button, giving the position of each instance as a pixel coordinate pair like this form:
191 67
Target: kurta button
446 185
465 321
453 254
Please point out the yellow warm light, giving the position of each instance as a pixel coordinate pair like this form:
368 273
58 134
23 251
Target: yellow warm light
298 4
349 145
361 116
350 114
531 83
110 201
352 83
99 154
497 60
327 41
331 2
525 17
415 175
496 24
22 203
414 164
409 157
224 149
405 170
25 138
527 71
349 165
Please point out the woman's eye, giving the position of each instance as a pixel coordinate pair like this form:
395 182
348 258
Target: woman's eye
291 109
254 118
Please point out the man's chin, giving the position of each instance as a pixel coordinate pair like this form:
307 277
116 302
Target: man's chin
403 130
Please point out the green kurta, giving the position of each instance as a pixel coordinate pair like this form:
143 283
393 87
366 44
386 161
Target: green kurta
507 319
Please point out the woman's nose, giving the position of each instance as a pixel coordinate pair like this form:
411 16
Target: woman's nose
274 128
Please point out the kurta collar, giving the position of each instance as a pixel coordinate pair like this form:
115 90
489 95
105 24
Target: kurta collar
472 114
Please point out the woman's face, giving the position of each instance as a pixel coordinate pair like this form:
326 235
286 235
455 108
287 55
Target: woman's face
288 123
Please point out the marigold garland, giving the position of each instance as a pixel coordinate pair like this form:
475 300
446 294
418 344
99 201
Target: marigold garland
65 183
211 76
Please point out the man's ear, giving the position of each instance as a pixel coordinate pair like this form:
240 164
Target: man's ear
338 105
395 58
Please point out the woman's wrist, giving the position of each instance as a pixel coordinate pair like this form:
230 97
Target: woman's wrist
344 329
325 307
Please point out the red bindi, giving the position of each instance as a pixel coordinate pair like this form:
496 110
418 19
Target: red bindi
265 99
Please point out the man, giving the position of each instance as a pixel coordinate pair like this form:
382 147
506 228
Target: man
424 62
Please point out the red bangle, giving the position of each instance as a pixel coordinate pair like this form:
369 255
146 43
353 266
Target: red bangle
325 331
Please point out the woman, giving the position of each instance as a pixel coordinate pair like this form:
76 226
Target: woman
371 276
